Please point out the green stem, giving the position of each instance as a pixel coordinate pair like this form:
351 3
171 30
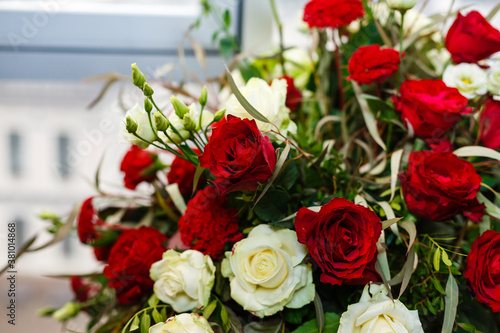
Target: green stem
389 135
280 30
340 79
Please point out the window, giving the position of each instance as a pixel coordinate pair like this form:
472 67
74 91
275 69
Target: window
15 157
63 143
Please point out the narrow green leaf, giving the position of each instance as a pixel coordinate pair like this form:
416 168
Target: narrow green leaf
477 151
226 324
409 226
446 260
395 162
465 326
485 224
176 196
209 309
197 175
135 323
492 209
157 317
438 286
276 172
145 323
153 300
437 259
493 12
408 270
388 223
451 303
243 101
320 314
370 121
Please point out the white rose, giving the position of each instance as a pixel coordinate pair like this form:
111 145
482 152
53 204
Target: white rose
268 100
178 123
266 273
493 84
183 280
183 323
401 4
469 79
416 22
378 313
144 130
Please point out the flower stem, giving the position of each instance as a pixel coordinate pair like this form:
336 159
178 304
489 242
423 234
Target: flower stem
340 79
401 32
280 31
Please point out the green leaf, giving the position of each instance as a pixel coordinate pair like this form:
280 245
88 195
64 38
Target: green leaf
451 303
409 226
395 162
437 259
493 12
226 324
274 325
243 101
331 324
197 175
320 314
485 224
276 171
446 260
492 209
370 121
388 223
145 323
157 317
273 207
209 309
153 300
466 327
410 261
438 286
479 151
227 18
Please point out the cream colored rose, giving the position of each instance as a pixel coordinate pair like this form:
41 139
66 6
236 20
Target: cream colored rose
377 313
183 323
268 100
493 84
469 79
401 4
144 130
183 280
266 271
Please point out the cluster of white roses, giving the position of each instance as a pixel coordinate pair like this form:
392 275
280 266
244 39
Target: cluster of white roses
265 270
473 81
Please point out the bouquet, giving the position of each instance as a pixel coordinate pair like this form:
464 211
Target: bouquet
348 187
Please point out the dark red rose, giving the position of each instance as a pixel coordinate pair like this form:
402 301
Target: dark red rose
482 270
84 288
471 38
430 107
293 95
89 223
371 64
438 186
130 260
342 239
101 253
490 124
182 173
208 224
332 13
239 156
137 164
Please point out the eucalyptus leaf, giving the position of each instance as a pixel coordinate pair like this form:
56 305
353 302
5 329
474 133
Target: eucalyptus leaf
370 121
451 304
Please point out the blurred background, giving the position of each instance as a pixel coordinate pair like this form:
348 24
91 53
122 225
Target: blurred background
54 57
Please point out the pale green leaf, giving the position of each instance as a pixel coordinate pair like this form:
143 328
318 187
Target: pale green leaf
135 324
477 151
157 317
437 259
243 101
209 309
153 300
145 323
492 209
446 259
390 222
409 226
485 224
320 314
493 12
451 303
197 175
395 162
370 121
276 172
176 196
408 271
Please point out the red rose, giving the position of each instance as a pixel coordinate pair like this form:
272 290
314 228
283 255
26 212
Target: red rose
293 95
430 107
471 38
332 13
239 156
89 223
482 269
342 239
136 165
371 64
84 288
130 260
101 253
208 225
182 173
490 124
439 185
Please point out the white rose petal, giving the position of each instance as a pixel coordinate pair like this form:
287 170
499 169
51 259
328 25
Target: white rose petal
144 130
266 273
268 100
183 323
183 280
469 79
376 312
